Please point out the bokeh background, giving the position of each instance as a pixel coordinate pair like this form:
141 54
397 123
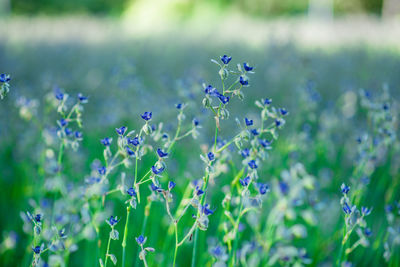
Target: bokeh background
129 56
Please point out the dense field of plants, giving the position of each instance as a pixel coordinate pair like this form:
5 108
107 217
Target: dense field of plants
142 154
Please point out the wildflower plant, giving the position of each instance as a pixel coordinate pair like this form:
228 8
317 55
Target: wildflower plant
4 85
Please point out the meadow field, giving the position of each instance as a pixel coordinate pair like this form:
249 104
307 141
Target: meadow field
239 142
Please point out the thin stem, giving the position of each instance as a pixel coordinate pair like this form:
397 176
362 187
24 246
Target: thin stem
128 210
108 249
176 242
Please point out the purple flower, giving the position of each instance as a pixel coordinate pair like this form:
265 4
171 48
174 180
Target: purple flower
205 210
78 135
283 111
210 156
129 151
4 78
265 143
365 211
102 170
267 101
346 208
245 152
254 132
263 188
223 99
37 249
63 122
113 220
133 141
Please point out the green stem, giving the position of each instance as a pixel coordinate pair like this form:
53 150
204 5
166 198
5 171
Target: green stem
176 242
235 244
128 210
108 249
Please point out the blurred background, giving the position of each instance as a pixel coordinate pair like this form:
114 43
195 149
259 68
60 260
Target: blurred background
129 56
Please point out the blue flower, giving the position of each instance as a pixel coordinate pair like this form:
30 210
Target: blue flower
37 250
113 220
154 187
179 106
346 208
247 67
129 151
38 217
133 141
131 191
284 187
210 156
68 131
263 188
63 122
225 59
265 143
157 171
78 135
365 211
283 111
171 185
254 132
217 252
196 122
147 115
367 232
245 152
278 122
243 81
205 210
252 164
223 99
199 191
248 122
141 240
161 154
267 101
82 99
4 78
389 208
59 96
102 170
245 181
210 90
106 141
121 131
385 106
344 188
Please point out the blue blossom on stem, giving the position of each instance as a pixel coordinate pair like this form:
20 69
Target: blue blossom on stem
263 188
265 143
196 122
4 78
102 170
210 156
68 131
225 59
133 141
245 153
78 135
254 132
38 217
205 210
179 106
112 220
129 151
223 99
248 122
141 240
267 101
106 141
284 187
157 171
82 99
199 191
283 111
243 81
37 250
365 211
252 164
121 131
245 181
344 188
131 191
171 185
161 154
247 67
210 90
147 115
346 208
278 122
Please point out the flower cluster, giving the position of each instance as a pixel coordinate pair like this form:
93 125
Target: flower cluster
4 85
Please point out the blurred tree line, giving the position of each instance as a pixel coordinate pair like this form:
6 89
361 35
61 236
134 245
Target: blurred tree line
262 8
